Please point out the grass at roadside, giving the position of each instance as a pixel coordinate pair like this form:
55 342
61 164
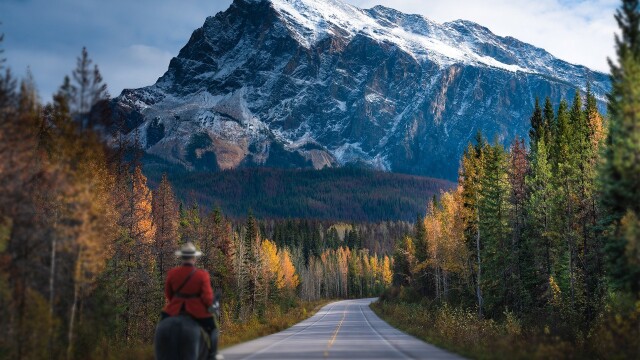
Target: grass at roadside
614 336
461 331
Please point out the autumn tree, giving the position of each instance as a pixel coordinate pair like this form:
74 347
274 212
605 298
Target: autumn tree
219 250
165 219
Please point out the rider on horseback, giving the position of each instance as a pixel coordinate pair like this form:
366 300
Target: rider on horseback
188 290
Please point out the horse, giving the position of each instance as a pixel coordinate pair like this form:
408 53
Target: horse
181 337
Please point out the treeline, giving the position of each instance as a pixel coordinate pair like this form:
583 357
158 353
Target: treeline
343 194
547 235
85 243
316 235
520 232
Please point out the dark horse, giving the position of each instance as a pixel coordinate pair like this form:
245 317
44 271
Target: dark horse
181 337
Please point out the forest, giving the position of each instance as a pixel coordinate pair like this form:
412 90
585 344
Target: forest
85 242
339 194
535 252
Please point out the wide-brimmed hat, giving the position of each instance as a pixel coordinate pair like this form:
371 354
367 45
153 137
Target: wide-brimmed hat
188 250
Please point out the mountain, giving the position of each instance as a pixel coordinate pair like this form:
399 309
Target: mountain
320 83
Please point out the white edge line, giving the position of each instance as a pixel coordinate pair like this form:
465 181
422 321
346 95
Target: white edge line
292 335
404 356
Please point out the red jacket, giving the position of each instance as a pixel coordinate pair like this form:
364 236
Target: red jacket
198 286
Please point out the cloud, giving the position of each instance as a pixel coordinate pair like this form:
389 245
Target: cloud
142 65
133 41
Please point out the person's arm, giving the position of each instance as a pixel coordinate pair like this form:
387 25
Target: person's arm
168 291
206 293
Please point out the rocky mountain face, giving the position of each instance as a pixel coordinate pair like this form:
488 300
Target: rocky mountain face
320 83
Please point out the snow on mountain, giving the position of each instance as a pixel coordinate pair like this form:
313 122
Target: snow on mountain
301 83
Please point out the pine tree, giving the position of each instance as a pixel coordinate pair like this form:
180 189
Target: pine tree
190 224
549 122
133 266
420 240
538 123
566 174
219 250
88 88
471 174
251 268
404 261
539 248
165 219
517 171
620 173
494 209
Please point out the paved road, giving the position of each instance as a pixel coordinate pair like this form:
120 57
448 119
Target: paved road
341 330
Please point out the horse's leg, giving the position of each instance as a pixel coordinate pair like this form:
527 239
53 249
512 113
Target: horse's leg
214 341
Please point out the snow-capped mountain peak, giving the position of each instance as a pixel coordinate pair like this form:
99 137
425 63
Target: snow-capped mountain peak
323 83
313 20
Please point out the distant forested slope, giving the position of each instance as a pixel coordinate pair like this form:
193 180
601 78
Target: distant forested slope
348 194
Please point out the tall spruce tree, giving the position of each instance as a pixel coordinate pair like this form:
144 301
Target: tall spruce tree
540 249
471 174
165 219
549 121
518 167
538 123
88 88
494 209
621 171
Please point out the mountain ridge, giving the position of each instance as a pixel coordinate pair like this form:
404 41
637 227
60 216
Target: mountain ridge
316 83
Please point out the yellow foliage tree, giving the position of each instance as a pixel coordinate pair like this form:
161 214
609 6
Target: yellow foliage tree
289 275
271 270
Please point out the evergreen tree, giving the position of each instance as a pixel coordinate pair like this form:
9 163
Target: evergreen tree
221 250
420 240
517 171
403 262
539 248
88 88
494 209
251 261
165 218
471 174
621 182
538 123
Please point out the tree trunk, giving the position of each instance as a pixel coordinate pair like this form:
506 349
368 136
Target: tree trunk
74 305
478 289
52 273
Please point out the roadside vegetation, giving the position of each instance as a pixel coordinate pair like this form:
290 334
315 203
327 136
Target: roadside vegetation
232 331
536 254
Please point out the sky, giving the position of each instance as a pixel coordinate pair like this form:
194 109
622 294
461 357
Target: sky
132 41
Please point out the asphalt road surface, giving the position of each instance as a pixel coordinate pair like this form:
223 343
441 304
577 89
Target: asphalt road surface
341 330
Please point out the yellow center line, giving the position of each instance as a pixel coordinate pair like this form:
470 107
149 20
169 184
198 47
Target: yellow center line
335 332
